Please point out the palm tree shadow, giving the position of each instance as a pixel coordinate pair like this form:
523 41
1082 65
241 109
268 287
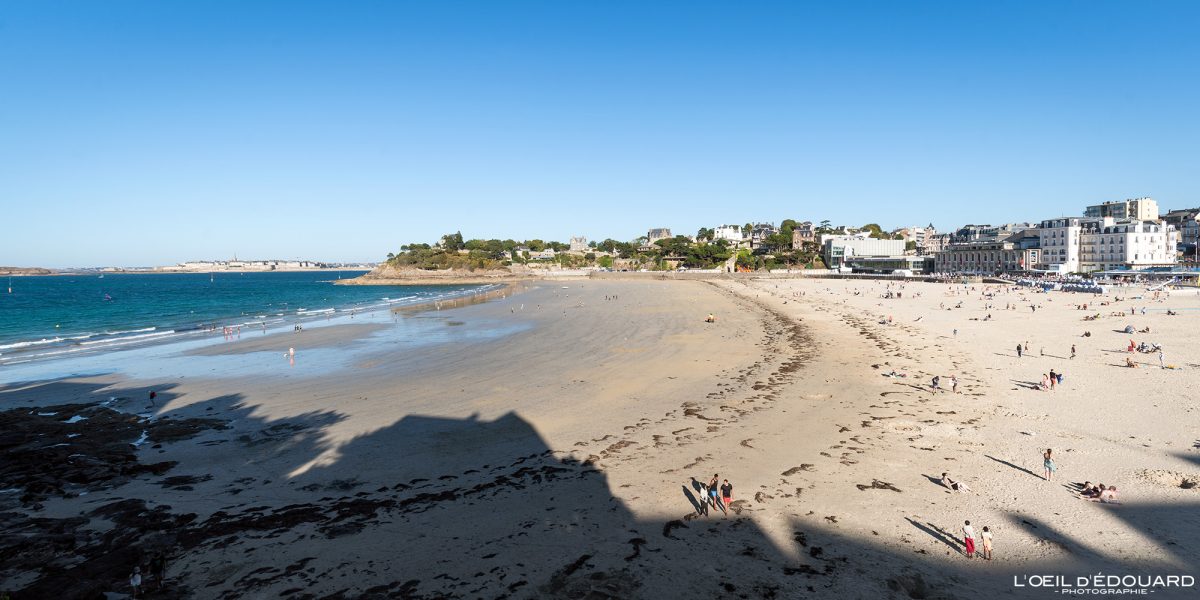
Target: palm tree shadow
1022 469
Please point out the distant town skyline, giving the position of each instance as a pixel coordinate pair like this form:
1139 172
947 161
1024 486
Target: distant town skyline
152 134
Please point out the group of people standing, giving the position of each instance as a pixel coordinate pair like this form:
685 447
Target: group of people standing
718 493
969 541
936 384
157 571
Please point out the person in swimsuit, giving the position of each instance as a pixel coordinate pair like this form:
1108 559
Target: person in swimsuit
957 486
1048 463
714 490
987 543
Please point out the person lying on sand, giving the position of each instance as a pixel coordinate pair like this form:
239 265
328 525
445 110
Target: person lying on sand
1106 495
710 318
1129 363
1088 489
958 486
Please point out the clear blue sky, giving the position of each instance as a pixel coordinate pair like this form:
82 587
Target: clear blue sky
139 133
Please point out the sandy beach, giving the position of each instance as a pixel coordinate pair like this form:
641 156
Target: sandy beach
562 457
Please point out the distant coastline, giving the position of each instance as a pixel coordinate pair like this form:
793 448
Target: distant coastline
25 271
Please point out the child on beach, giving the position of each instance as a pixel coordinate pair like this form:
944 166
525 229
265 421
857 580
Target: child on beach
135 582
1048 463
969 539
987 543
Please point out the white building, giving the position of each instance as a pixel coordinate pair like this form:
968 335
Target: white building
732 233
1059 239
835 248
1073 244
1129 244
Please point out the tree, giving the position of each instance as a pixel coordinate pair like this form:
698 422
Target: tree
453 241
676 246
778 242
606 262
705 234
875 231
824 226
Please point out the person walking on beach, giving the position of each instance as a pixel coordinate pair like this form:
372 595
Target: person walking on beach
726 492
1161 364
936 383
1048 463
1072 350
987 543
953 384
969 539
1019 351
703 491
714 489
1053 379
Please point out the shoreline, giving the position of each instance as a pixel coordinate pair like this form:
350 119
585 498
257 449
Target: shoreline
67 346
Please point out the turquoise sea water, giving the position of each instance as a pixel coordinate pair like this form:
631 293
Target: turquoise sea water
48 317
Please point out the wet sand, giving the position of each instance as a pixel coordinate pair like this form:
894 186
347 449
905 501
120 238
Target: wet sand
318 336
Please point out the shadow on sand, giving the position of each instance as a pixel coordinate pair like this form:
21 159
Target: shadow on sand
463 508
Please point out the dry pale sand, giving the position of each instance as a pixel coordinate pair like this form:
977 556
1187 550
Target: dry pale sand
558 461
